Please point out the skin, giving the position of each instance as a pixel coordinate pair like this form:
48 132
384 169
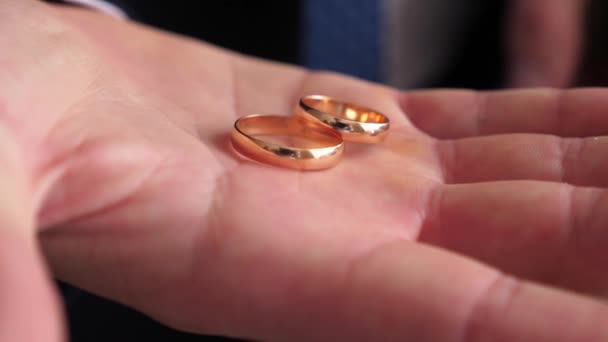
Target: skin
545 42
481 217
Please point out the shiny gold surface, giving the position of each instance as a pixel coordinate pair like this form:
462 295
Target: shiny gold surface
355 123
309 146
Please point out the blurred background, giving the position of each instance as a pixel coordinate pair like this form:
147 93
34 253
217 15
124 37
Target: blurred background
445 43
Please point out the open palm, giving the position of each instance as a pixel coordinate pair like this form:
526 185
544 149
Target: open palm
145 203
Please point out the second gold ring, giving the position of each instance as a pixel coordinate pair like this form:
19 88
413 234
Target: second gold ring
353 122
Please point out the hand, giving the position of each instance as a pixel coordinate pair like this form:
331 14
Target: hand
446 231
545 42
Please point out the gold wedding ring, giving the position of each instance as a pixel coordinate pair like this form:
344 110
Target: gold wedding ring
315 146
355 123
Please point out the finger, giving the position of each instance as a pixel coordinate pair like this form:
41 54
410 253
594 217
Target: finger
457 113
577 161
411 292
544 42
29 309
543 231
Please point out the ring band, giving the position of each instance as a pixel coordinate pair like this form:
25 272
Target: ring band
324 150
355 123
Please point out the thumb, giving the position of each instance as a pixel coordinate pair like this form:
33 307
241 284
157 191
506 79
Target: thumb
544 40
30 309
